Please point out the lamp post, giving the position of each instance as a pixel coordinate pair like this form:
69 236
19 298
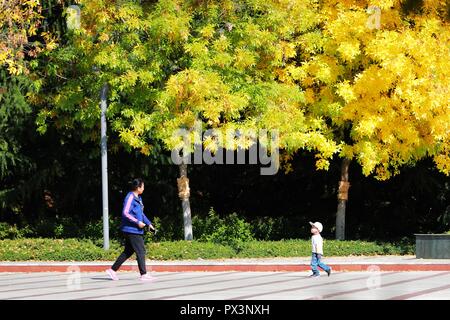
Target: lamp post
104 152
73 23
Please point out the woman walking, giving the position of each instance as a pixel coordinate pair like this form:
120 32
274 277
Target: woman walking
133 223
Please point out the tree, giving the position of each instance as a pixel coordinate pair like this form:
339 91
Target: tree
22 41
20 36
15 115
171 63
322 74
230 82
122 43
381 91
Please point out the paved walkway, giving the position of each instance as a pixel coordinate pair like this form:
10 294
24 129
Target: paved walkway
301 264
203 286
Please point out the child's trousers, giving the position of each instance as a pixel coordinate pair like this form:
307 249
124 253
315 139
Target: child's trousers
315 262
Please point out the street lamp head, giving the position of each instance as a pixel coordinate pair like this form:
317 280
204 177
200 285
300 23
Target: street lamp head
73 17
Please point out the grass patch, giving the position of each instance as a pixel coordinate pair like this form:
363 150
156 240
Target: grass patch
42 249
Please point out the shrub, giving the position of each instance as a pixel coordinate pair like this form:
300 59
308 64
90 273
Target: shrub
179 250
231 230
88 250
8 231
234 231
68 227
169 229
284 248
53 250
94 229
203 227
302 248
264 228
56 227
280 228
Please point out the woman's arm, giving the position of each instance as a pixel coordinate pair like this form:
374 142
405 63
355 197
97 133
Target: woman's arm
127 208
146 220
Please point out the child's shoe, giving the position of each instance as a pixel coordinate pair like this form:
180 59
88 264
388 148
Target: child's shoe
315 275
329 271
112 274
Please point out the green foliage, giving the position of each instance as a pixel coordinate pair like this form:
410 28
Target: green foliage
14 112
15 119
204 227
56 227
231 65
278 228
54 249
60 228
22 37
301 248
265 228
237 229
230 230
126 48
169 229
8 231
87 250
178 250
93 230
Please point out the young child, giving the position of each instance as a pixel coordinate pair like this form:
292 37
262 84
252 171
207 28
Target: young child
317 250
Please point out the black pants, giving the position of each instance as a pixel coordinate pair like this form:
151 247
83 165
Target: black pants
133 243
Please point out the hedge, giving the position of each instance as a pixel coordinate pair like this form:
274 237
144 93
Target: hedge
41 249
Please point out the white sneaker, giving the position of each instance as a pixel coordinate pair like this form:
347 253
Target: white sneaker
147 277
112 274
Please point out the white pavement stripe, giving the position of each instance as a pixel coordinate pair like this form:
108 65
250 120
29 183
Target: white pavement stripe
15 284
382 285
243 285
55 278
320 292
109 284
24 276
435 295
246 286
193 284
425 288
189 289
329 281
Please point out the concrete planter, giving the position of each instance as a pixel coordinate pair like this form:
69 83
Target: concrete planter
433 246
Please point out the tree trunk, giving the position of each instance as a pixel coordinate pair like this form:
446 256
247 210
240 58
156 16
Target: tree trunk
344 185
184 193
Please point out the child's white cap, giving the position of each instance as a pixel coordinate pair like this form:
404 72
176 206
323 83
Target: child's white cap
317 225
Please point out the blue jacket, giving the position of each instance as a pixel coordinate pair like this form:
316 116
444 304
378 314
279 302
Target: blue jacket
132 213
